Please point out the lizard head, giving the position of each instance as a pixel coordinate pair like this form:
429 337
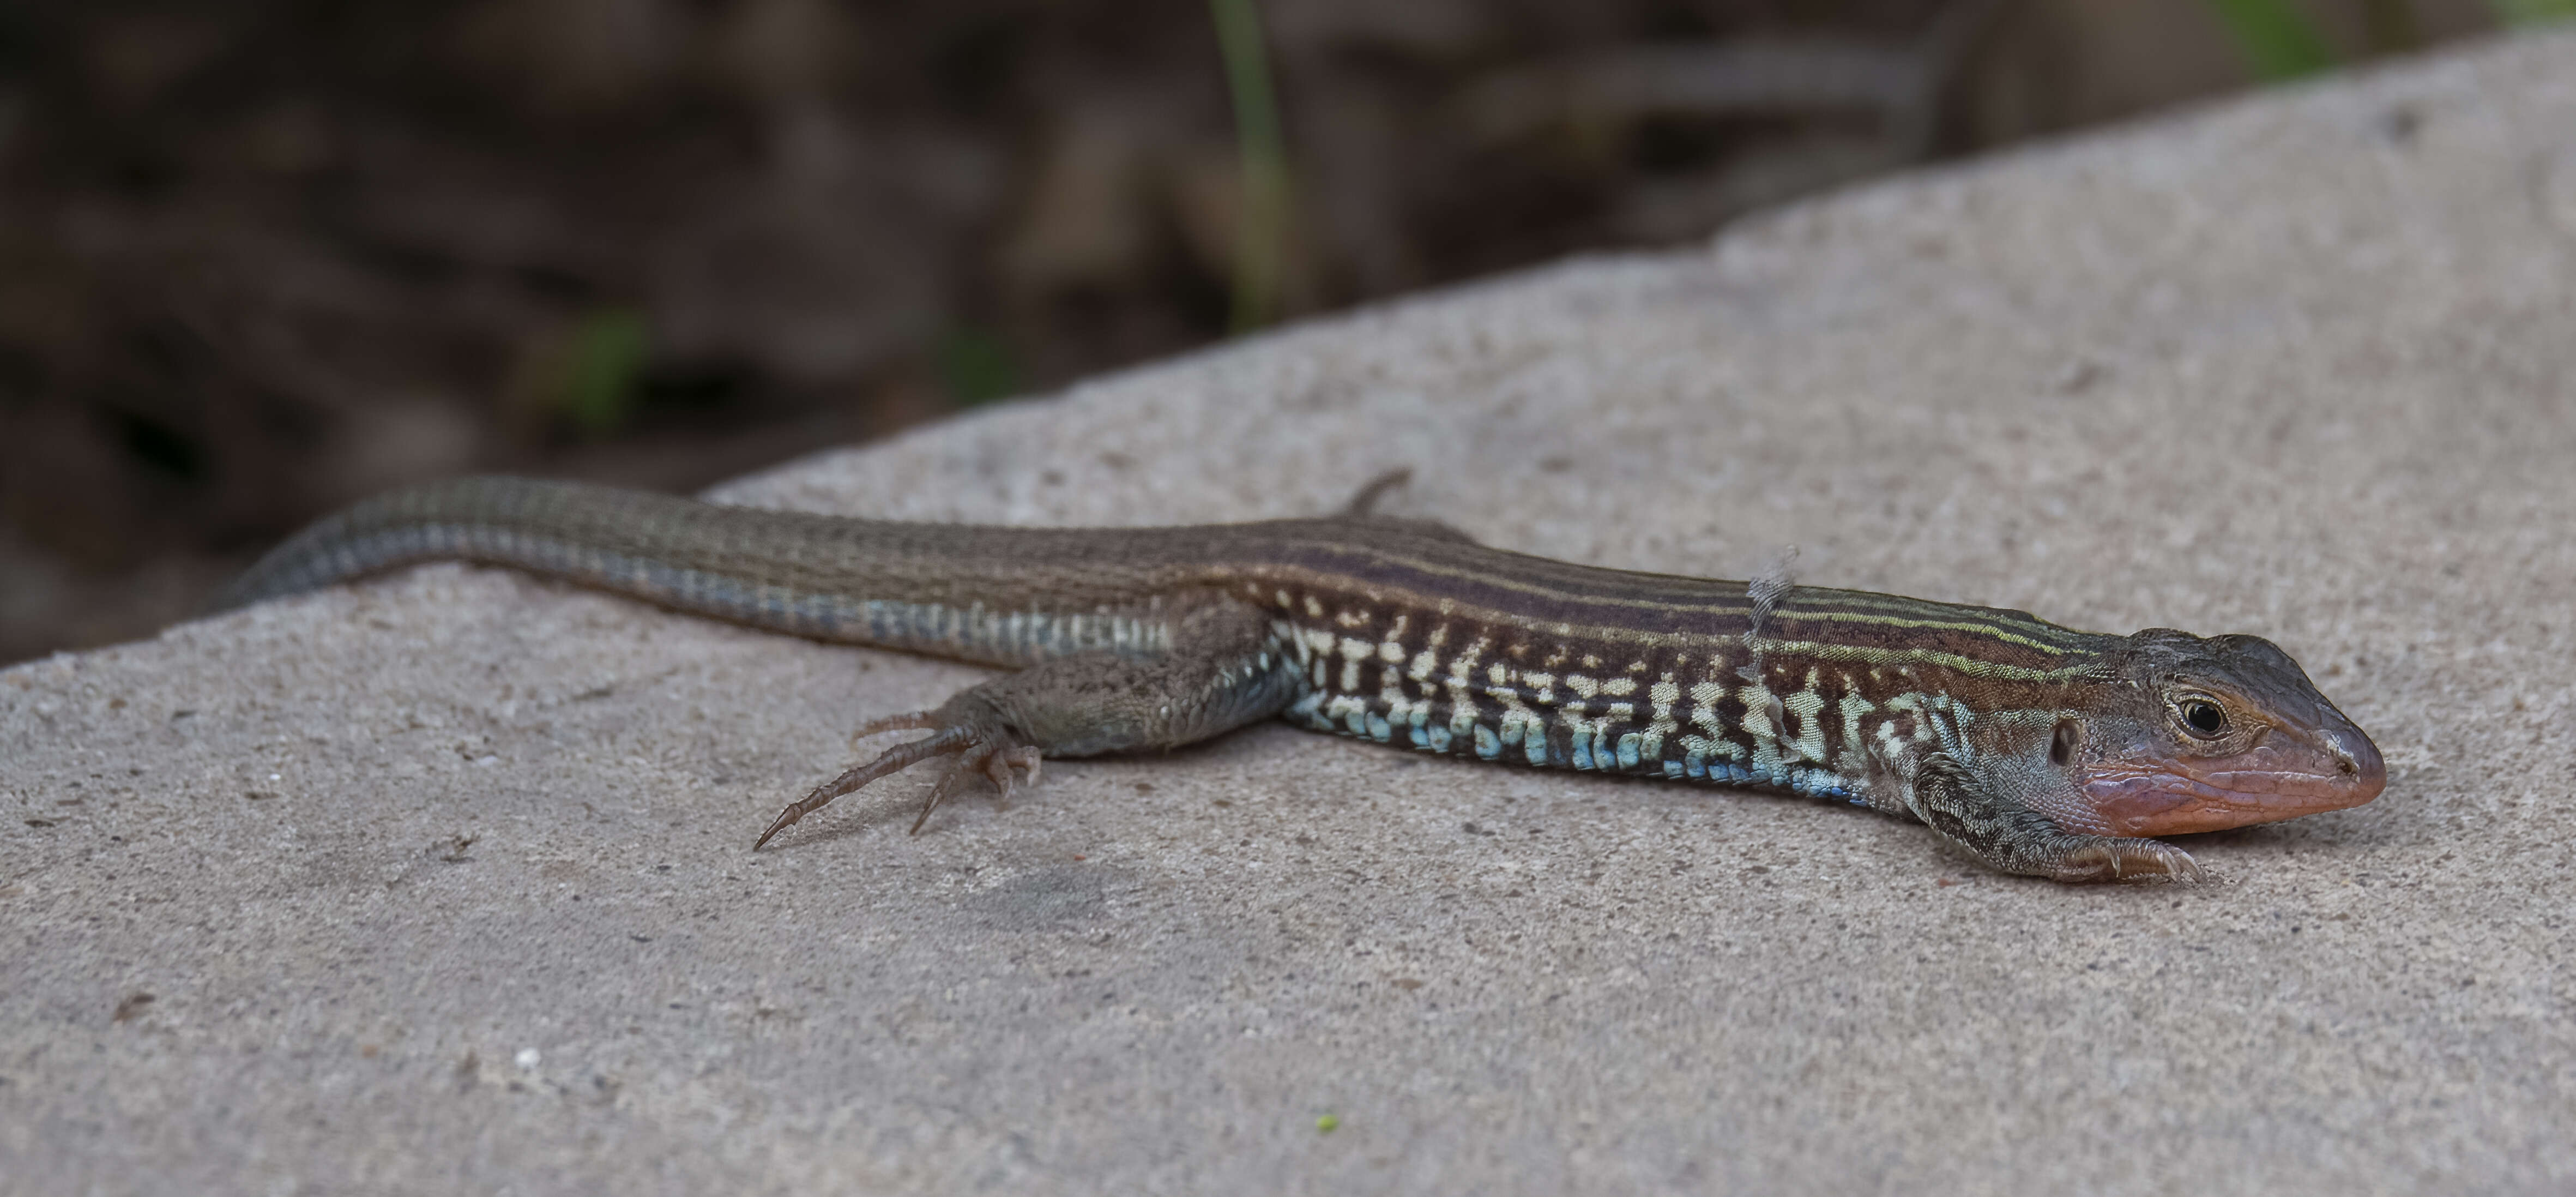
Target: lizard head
2206 734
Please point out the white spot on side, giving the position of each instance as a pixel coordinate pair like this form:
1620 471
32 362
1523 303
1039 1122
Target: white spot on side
1853 706
1663 694
1760 720
1464 714
1806 705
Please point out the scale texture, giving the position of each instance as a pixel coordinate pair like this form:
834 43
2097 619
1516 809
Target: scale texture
439 882
2040 750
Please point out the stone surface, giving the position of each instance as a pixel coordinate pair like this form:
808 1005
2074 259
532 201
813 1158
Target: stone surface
440 882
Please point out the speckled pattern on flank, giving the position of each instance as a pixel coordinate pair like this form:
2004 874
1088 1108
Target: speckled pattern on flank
1398 634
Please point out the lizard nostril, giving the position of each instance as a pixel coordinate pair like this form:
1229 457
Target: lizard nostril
2358 761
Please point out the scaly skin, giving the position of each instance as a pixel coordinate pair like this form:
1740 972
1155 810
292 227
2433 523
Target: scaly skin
2037 749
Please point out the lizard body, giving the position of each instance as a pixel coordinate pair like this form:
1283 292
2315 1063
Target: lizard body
2037 748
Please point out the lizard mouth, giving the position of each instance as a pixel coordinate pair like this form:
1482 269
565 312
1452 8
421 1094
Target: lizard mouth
2283 777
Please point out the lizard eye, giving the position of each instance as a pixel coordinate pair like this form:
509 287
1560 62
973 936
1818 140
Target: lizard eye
2202 716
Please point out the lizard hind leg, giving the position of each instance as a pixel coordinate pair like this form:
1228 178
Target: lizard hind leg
976 752
973 744
1222 669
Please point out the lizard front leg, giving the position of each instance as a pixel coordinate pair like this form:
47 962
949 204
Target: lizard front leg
1223 670
2004 830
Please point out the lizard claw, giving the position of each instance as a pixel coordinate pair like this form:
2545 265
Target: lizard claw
999 765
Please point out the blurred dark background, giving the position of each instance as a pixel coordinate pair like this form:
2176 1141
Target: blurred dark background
262 257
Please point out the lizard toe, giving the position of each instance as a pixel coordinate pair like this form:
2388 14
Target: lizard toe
1000 766
975 760
908 721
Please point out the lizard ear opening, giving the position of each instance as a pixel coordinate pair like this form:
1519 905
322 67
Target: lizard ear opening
2063 741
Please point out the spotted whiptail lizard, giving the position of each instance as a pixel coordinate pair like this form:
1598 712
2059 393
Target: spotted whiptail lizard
2037 749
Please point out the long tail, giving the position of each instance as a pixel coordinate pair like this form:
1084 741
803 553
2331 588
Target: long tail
997 595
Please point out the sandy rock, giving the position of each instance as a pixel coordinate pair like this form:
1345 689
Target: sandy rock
441 882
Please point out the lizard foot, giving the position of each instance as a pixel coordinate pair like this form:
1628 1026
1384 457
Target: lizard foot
979 752
1223 669
2128 860
1997 824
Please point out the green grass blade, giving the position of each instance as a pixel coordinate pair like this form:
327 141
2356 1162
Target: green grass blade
1261 238
2275 38
603 371
975 365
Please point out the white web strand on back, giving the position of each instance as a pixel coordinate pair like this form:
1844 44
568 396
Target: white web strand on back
1766 590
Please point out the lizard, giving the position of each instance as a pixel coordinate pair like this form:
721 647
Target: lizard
2035 749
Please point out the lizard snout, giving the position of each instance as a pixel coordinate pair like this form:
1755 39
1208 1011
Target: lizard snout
2291 772
2358 761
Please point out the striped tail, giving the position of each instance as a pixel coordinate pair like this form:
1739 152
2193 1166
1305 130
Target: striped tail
939 589
593 535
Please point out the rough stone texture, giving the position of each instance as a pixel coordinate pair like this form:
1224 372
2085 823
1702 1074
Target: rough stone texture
440 882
